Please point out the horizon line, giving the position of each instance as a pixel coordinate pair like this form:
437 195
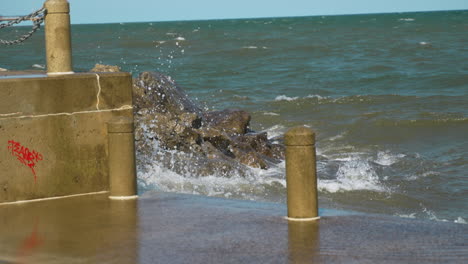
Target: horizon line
273 17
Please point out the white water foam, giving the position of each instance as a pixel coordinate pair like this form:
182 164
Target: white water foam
406 19
460 220
38 66
285 98
412 215
275 131
256 185
316 96
339 136
288 98
385 158
353 174
430 215
270 114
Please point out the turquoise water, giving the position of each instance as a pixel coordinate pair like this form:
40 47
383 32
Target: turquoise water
386 94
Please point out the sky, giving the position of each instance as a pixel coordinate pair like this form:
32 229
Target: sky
112 11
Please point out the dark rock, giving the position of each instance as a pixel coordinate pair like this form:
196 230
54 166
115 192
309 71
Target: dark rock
207 143
160 93
260 143
231 121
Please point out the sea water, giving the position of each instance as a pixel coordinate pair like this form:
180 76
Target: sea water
387 95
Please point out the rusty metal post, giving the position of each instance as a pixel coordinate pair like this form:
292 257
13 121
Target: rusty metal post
58 37
301 174
122 169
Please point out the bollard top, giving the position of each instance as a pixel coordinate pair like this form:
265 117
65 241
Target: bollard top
120 124
299 136
57 6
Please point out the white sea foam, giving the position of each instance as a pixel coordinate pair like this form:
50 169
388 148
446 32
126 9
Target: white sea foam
385 158
423 43
316 96
38 66
255 186
428 214
422 175
250 47
353 174
432 216
412 215
275 131
241 97
288 98
270 114
180 38
339 136
406 19
285 98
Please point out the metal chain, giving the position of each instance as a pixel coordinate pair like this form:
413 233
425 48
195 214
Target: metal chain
36 25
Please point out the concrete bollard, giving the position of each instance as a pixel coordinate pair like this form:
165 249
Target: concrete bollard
58 37
301 174
122 169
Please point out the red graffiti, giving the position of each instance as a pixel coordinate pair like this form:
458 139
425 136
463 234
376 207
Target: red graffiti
25 156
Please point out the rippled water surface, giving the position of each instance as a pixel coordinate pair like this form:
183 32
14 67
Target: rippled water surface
386 94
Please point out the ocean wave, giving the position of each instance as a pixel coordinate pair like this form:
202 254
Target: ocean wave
353 174
257 185
270 114
275 131
337 137
241 97
285 98
385 158
254 47
294 98
407 19
354 99
388 122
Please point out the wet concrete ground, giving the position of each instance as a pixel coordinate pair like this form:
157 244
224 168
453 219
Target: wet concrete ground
175 228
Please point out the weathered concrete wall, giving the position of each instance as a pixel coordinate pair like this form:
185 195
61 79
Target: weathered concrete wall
53 136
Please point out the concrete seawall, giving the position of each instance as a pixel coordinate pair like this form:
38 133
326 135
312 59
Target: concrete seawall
53 132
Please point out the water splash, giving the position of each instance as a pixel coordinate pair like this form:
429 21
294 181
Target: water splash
353 174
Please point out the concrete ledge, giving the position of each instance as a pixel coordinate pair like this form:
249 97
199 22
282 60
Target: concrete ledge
64 94
174 228
53 133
